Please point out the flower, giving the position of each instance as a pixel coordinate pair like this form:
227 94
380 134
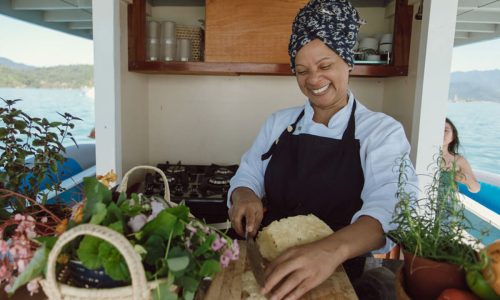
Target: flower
4 247
107 178
218 243
33 286
137 222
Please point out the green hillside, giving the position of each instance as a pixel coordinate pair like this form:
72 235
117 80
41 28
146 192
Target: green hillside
74 76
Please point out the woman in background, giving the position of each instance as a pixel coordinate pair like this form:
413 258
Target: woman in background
452 159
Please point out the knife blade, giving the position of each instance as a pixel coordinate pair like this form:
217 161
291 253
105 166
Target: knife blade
256 260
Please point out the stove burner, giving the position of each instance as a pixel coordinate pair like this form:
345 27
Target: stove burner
176 169
223 171
170 179
219 180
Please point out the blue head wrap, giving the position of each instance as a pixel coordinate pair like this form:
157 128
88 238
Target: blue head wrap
334 22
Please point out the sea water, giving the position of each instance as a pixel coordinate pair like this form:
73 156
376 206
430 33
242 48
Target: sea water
478 125
47 103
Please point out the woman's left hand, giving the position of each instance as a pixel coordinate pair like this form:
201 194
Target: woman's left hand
299 270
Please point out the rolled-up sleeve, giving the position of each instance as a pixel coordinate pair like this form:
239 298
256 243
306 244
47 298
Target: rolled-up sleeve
383 148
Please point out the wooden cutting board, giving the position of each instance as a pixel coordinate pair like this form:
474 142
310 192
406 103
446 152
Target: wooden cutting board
228 283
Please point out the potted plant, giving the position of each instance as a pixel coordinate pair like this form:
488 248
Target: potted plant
31 152
176 251
432 232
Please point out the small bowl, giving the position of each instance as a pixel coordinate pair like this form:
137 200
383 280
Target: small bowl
386 38
385 48
368 43
373 57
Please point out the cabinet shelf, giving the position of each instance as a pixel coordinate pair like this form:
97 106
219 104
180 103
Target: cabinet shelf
207 68
137 52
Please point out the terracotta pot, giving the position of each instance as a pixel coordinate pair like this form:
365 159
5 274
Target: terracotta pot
426 279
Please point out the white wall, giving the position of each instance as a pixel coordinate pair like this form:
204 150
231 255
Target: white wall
214 119
399 92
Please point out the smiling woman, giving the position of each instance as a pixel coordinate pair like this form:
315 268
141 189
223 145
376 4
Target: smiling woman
331 157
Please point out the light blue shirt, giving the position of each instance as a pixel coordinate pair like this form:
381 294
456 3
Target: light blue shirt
382 142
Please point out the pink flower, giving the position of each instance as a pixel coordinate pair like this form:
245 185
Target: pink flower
191 228
44 220
4 247
19 217
33 286
236 250
4 273
218 243
225 259
137 222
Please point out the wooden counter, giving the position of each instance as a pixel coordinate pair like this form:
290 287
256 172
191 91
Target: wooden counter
228 283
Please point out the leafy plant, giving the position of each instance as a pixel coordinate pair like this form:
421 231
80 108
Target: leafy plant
31 153
172 244
433 226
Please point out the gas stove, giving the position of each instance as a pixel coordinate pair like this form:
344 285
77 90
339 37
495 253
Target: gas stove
202 187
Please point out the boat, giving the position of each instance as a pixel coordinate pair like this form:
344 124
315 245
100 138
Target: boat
79 163
482 209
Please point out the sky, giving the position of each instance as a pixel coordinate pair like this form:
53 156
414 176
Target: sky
38 46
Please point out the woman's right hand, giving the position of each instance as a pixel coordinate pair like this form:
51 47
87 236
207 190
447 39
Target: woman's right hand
246 210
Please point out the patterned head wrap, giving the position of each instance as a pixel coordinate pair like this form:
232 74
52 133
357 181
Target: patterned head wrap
335 22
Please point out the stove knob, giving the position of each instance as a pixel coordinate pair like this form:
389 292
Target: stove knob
178 190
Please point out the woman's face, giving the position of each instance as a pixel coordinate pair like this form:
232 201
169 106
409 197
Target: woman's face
322 75
448 134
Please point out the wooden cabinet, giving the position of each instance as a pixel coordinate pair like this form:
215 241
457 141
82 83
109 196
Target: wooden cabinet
251 37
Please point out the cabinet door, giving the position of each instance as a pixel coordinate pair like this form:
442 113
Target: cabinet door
255 31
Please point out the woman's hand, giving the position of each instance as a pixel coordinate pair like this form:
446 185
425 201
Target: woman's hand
301 269
247 207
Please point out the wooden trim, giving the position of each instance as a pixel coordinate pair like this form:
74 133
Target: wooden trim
403 19
209 68
136 32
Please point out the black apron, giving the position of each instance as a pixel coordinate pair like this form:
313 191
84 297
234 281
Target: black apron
313 174
310 174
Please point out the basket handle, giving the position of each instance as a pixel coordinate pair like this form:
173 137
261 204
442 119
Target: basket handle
123 185
140 287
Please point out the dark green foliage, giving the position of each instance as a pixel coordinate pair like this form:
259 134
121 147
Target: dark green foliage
21 137
74 76
433 226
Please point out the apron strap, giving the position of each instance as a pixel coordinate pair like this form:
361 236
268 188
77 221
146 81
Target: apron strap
351 126
289 130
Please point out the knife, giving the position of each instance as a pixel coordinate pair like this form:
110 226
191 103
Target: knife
255 259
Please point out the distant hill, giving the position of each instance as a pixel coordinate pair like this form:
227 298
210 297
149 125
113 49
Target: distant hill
13 74
13 65
475 86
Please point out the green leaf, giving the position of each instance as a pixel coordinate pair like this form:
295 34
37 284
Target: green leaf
48 241
178 263
114 264
180 211
210 267
34 269
162 292
155 248
99 214
88 252
95 192
20 125
162 225
188 284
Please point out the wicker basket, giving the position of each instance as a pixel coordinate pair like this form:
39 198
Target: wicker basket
195 34
140 288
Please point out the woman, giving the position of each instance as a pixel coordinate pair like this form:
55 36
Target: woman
452 159
331 157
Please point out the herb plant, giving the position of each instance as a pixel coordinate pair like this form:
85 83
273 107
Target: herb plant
172 244
433 226
31 151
